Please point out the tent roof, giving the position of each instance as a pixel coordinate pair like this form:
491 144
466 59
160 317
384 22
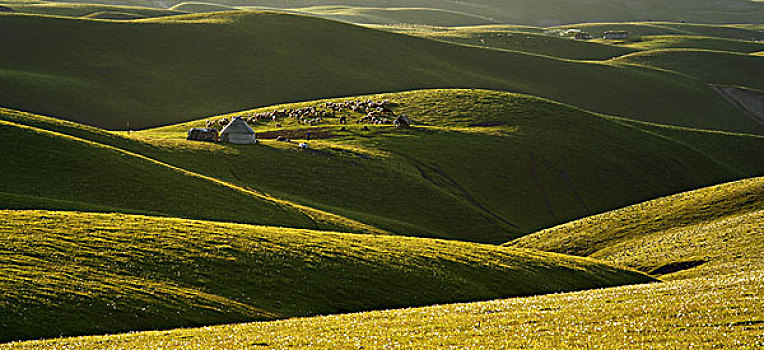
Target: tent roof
237 126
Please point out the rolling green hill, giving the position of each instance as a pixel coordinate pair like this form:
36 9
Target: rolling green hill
705 313
82 10
480 166
653 42
408 15
710 231
516 38
713 67
546 12
727 31
69 273
195 7
160 71
66 166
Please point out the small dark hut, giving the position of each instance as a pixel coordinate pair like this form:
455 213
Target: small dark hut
203 134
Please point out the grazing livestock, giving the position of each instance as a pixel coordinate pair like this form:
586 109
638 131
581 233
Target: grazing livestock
402 121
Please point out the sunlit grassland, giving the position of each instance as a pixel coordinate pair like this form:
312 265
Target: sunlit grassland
720 312
728 31
712 231
72 273
654 42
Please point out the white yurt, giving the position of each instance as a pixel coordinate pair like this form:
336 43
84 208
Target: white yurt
237 131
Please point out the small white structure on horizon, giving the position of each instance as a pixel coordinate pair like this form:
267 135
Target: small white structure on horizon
238 132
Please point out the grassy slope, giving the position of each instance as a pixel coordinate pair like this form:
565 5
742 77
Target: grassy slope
101 79
69 273
194 7
409 15
718 226
719 313
549 164
714 67
552 12
516 39
414 182
63 165
79 10
654 42
727 31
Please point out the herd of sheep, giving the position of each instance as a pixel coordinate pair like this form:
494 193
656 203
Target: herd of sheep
371 112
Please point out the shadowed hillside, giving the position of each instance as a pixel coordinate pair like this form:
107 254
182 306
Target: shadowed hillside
409 15
86 9
161 71
539 13
713 67
479 165
59 165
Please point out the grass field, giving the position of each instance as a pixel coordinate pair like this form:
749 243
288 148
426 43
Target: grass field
70 273
706 313
515 38
713 67
710 231
544 13
551 193
654 42
82 10
528 176
66 166
408 15
413 182
197 7
639 29
101 78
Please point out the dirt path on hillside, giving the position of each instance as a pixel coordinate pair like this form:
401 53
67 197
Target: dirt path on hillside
751 102
436 176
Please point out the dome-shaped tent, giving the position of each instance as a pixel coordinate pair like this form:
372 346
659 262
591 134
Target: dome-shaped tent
237 131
